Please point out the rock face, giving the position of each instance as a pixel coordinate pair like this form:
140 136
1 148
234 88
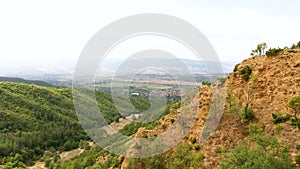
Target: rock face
277 80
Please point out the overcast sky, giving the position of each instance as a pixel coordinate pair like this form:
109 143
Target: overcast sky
46 32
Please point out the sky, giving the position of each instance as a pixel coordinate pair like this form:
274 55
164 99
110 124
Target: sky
51 34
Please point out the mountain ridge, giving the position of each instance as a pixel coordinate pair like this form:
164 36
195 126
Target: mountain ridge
21 80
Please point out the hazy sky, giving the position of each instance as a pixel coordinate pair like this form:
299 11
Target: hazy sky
37 31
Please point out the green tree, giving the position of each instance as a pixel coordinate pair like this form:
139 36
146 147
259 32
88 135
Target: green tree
296 46
294 103
260 49
246 72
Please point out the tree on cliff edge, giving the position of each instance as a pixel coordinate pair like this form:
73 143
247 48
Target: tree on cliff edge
260 49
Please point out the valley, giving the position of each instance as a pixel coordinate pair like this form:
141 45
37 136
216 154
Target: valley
259 127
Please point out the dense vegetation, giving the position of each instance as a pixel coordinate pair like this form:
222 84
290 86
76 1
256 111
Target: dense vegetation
36 119
182 157
88 159
258 151
273 51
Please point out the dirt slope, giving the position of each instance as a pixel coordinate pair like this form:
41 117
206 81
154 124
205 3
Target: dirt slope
276 80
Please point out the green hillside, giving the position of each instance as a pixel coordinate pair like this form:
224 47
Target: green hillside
34 119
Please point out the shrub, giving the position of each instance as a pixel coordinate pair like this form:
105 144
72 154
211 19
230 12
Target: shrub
278 129
131 128
207 83
246 72
235 68
295 122
172 121
221 150
255 154
47 162
144 135
255 129
176 105
84 145
69 145
248 115
297 158
51 166
164 126
296 46
279 118
47 154
293 46
56 158
197 147
183 158
273 51
193 140
166 110
298 146
294 103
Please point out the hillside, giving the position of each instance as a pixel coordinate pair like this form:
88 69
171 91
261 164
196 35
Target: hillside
35 120
20 80
251 140
257 130
273 81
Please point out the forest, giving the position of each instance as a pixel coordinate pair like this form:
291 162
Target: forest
36 119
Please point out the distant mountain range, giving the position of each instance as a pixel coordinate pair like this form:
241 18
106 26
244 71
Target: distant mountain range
62 75
20 80
170 64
